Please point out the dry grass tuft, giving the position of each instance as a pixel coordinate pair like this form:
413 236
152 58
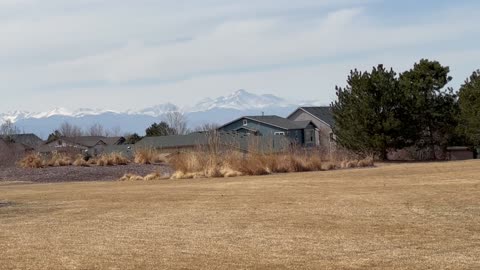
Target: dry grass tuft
148 156
111 160
80 162
35 161
230 164
366 162
59 160
131 177
150 177
31 161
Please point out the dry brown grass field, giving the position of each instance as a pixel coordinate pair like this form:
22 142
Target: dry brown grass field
401 216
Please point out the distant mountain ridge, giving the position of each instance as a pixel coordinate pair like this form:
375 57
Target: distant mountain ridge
218 110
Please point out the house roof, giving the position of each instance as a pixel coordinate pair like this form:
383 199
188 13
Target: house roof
87 141
19 147
15 146
31 140
91 141
173 141
45 148
274 120
113 140
323 113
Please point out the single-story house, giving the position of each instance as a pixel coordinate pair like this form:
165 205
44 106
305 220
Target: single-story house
323 119
301 133
11 151
93 144
5 152
29 139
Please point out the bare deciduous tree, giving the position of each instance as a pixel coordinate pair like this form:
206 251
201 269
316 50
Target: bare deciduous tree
115 131
8 128
207 127
69 130
177 121
96 130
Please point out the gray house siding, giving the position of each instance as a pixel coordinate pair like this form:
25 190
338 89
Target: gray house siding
323 132
263 129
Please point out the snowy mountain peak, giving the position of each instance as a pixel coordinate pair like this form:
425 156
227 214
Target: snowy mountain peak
157 110
13 116
56 111
241 100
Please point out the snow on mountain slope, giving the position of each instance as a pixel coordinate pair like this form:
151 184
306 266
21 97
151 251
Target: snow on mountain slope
218 110
16 116
157 110
241 100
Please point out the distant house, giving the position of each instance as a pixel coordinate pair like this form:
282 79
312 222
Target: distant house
31 140
301 133
5 152
11 151
93 144
323 119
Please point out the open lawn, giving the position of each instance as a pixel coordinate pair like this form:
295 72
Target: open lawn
402 216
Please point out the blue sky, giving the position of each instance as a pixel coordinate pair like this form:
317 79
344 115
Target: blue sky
132 54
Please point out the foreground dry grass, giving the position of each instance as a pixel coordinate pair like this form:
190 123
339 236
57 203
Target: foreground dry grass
418 216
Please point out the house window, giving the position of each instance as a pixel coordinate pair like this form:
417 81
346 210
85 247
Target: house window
311 135
279 133
245 122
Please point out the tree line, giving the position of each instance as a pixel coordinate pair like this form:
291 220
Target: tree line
379 111
173 123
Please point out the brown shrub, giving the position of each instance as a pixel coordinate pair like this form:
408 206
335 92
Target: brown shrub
329 166
80 162
118 159
314 163
59 160
31 161
111 159
254 164
92 161
191 162
35 160
231 163
298 164
148 156
366 162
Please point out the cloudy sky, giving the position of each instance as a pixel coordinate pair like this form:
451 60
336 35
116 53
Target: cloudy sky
121 54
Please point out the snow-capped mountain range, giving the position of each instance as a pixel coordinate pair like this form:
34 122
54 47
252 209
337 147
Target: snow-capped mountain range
218 110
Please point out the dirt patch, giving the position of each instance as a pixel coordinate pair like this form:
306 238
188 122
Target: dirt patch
72 173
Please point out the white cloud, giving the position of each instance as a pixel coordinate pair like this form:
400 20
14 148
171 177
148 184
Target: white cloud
210 46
